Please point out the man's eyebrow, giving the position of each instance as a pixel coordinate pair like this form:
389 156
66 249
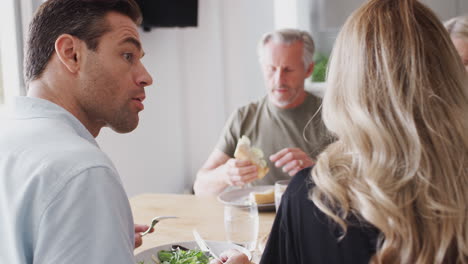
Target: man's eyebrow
133 41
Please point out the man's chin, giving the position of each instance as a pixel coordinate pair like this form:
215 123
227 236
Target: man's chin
279 102
126 127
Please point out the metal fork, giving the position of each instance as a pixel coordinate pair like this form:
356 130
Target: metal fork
155 221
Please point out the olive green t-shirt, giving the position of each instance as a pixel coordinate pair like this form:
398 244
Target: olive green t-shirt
272 129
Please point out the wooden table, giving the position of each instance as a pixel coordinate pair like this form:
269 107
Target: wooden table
203 213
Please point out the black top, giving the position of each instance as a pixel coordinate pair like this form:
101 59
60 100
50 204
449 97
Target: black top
301 233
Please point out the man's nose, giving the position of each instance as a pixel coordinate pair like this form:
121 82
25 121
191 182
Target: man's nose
279 77
144 78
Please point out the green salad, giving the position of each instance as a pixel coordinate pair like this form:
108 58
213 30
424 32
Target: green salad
180 256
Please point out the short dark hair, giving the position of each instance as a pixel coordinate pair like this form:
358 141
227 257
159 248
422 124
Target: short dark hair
83 19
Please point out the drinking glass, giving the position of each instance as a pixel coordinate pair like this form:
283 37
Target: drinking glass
280 187
241 224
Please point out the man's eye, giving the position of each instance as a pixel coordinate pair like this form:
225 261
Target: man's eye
128 56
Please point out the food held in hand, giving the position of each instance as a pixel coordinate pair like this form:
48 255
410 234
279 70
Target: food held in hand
255 155
265 197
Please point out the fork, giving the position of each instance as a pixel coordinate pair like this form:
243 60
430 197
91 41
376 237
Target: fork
155 221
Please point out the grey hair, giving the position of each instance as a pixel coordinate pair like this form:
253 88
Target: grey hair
288 36
458 26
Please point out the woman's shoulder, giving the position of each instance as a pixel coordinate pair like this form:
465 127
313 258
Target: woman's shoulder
301 182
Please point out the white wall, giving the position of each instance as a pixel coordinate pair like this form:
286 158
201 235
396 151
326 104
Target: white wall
11 49
200 76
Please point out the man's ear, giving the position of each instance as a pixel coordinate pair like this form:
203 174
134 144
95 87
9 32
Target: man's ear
310 69
68 50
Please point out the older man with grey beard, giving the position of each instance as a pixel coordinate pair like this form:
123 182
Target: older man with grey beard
286 124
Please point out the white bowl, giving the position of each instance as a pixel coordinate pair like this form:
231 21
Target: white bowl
217 246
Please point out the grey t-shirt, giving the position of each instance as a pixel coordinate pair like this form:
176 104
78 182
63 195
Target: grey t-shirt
272 129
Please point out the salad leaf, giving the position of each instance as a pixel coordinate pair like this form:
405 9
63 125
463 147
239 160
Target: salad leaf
179 256
165 255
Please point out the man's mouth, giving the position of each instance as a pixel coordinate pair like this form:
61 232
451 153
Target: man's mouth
139 101
281 90
139 98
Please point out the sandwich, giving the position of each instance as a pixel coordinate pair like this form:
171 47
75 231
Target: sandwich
255 155
265 197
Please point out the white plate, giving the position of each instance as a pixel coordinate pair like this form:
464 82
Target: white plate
241 196
217 246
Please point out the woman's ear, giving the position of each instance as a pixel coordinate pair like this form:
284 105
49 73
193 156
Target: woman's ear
68 50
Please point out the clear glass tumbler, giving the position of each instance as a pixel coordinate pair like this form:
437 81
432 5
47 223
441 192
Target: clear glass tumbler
280 187
241 224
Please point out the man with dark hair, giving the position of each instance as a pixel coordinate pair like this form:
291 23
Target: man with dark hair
61 198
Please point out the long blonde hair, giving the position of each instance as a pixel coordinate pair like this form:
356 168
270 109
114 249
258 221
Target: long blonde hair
398 105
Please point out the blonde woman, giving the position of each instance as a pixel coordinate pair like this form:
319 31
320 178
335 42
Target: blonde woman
394 187
458 30
398 102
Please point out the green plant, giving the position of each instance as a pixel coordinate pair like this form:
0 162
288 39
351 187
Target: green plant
320 68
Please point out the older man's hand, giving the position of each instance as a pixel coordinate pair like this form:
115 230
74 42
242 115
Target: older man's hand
292 160
239 172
